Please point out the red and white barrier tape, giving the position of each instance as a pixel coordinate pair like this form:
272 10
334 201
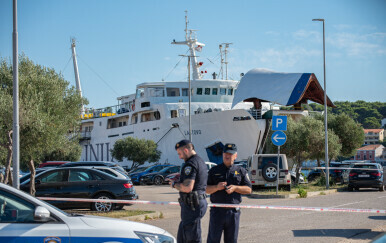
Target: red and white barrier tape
336 168
218 205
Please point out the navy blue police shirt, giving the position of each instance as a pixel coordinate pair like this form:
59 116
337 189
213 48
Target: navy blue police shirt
195 169
234 175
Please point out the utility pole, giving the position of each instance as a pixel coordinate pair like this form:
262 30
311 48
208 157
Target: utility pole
16 127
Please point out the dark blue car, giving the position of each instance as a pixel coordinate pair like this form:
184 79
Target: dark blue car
136 177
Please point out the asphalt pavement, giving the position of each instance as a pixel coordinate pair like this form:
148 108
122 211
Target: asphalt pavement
263 225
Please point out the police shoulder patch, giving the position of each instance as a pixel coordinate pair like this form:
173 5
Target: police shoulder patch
187 170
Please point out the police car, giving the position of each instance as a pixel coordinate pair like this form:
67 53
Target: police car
24 218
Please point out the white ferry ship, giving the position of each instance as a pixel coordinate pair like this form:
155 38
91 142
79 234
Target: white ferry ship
160 111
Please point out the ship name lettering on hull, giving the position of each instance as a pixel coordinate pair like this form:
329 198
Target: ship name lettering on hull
194 132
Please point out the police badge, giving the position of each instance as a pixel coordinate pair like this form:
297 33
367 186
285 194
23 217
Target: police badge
187 170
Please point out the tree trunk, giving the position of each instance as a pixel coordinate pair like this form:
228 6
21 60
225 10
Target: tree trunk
31 167
323 171
8 146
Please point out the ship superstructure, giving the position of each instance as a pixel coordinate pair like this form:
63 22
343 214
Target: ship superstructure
160 111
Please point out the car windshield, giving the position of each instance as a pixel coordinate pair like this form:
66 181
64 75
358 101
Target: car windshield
366 166
154 169
139 169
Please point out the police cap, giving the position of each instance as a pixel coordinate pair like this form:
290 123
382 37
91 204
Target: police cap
230 148
182 143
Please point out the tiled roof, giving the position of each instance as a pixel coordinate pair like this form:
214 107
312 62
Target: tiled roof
373 130
370 147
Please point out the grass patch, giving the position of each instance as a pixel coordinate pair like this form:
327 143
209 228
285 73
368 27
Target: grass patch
112 214
309 187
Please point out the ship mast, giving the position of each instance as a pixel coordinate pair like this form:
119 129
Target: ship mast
193 44
78 87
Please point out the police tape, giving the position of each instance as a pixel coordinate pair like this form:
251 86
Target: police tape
220 205
336 168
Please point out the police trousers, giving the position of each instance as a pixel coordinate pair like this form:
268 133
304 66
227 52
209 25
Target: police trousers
189 230
223 219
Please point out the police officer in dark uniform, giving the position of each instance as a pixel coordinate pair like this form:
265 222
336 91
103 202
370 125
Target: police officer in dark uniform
226 183
192 186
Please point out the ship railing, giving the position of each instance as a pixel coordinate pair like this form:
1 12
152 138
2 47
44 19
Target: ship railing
255 113
90 113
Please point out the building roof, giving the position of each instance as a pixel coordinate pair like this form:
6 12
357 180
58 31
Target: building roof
373 130
281 88
370 147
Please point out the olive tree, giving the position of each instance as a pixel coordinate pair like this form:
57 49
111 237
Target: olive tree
137 150
49 109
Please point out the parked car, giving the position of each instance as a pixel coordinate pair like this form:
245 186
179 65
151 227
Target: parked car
335 172
293 177
158 178
48 164
78 182
24 218
366 175
110 171
263 171
136 177
28 175
138 169
95 163
176 176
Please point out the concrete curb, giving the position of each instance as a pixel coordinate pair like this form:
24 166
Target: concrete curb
292 196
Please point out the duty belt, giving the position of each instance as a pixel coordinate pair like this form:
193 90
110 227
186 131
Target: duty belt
192 199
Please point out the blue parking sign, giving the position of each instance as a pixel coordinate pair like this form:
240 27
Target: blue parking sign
279 123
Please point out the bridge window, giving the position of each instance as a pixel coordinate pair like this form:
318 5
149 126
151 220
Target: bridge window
223 91
199 91
185 92
207 91
157 92
214 91
172 92
230 91
140 93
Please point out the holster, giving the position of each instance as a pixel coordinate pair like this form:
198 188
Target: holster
191 199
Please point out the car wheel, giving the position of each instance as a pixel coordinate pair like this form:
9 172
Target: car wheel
382 188
270 172
350 188
158 180
102 206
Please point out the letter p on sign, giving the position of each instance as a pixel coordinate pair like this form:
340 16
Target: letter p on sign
279 123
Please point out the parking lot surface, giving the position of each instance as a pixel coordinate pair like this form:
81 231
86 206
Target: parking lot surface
262 225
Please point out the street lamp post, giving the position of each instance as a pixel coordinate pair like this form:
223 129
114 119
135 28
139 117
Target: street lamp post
325 109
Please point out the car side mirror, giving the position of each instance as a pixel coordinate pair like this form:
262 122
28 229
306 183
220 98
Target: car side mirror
41 214
37 182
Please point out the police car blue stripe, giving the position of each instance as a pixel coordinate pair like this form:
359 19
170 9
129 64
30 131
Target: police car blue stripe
39 239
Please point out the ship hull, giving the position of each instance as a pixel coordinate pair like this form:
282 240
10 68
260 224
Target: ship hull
210 131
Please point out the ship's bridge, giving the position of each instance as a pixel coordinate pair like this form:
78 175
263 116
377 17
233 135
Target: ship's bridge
214 91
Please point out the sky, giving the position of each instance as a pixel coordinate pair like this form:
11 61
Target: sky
121 43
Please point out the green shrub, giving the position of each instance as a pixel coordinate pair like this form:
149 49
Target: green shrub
302 193
321 181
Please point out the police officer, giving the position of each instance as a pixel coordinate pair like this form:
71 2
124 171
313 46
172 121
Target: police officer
226 183
192 186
